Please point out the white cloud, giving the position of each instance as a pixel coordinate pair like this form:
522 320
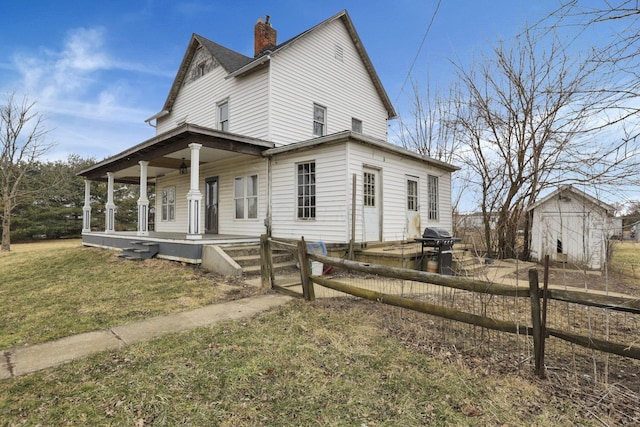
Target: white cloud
95 103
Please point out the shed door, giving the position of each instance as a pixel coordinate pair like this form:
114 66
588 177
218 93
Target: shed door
372 205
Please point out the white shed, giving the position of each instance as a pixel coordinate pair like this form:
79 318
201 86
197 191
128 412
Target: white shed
571 226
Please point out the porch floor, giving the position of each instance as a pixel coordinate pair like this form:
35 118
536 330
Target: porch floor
173 246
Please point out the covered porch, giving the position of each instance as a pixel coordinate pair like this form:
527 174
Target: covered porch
177 154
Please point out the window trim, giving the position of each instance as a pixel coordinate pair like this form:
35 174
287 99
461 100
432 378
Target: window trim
413 199
323 123
245 197
356 122
433 184
168 208
306 211
223 125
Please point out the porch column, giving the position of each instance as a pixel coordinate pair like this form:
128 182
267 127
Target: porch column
143 201
86 209
110 207
194 196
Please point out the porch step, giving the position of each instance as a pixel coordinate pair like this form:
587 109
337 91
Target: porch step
140 250
248 257
467 265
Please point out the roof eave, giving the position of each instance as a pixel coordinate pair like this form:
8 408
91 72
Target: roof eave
350 135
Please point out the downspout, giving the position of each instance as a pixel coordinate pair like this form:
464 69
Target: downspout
268 220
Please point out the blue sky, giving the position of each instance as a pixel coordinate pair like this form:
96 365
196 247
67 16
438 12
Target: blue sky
97 70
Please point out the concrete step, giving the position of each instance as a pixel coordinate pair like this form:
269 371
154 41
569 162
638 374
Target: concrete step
279 267
242 250
250 260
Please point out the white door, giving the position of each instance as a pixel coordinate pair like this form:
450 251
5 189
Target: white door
413 209
372 205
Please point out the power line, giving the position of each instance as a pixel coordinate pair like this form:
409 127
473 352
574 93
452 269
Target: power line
415 59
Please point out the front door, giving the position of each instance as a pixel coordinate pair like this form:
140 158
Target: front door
211 218
372 204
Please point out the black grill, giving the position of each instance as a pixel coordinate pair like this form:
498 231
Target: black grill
442 241
436 237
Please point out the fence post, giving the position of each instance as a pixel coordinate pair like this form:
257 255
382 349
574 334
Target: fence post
305 271
534 294
266 262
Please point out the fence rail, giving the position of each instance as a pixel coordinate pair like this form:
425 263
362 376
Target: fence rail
537 329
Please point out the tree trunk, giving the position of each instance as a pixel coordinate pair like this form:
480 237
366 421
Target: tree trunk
6 224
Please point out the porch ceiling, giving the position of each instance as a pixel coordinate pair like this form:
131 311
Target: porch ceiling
165 152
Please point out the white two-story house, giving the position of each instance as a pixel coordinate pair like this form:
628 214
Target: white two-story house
290 142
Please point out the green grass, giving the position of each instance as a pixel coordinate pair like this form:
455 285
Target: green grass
328 363
55 289
303 364
626 259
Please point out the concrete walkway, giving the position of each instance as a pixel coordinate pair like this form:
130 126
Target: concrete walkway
33 358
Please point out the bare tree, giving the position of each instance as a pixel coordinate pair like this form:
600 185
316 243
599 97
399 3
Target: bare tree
428 131
22 141
528 117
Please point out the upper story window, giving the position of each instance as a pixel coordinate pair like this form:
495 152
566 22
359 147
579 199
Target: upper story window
356 125
306 190
432 182
319 120
223 116
168 204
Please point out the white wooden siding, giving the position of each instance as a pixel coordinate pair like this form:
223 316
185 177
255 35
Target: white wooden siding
335 166
197 103
308 72
394 169
331 222
582 228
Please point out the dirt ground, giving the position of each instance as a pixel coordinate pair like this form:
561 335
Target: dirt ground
592 280
570 370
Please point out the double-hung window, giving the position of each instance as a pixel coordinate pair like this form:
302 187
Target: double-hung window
432 183
306 190
412 195
245 195
319 120
223 116
168 208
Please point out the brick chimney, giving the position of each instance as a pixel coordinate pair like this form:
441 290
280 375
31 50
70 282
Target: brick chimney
265 36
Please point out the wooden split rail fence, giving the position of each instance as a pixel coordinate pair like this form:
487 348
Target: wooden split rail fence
538 298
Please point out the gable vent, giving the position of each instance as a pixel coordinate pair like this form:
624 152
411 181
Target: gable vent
339 53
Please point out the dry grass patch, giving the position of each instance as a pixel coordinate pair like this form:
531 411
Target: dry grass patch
328 363
50 290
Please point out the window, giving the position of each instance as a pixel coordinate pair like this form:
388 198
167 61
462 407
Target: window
319 120
433 197
306 204
412 195
223 116
245 195
169 204
369 190
201 69
339 53
356 125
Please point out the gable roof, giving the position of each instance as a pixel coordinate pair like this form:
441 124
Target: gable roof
564 189
229 59
237 64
